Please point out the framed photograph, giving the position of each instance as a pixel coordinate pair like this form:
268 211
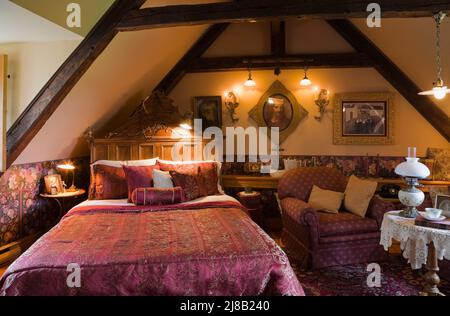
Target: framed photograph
443 203
363 118
209 110
278 107
53 180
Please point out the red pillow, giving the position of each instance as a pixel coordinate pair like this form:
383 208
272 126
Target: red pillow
208 170
107 183
194 186
138 177
156 196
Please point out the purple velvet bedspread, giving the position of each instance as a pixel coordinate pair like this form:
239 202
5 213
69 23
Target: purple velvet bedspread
207 249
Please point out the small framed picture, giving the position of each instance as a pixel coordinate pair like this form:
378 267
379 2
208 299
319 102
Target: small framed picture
53 182
363 119
209 110
443 203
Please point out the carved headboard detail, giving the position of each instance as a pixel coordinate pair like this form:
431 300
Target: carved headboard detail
151 131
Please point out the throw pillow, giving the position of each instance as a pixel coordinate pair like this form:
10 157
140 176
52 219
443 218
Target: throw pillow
194 186
155 196
162 179
138 177
358 195
325 200
107 183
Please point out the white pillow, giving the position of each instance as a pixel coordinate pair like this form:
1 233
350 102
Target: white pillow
140 163
162 179
218 164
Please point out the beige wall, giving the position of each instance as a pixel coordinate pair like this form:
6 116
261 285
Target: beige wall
135 62
31 65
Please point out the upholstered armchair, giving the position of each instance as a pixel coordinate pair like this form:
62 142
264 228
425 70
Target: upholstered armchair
322 239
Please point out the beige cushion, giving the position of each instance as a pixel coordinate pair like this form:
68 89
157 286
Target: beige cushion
325 200
358 195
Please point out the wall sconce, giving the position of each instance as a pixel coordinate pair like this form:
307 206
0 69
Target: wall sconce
232 103
322 101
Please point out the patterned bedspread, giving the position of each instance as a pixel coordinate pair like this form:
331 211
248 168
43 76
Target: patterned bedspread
200 249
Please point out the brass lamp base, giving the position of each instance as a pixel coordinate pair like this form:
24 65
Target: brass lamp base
409 212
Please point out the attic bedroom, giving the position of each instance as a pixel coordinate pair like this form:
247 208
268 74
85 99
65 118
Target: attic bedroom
229 148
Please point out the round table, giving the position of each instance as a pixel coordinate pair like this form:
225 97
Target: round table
420 245
61 196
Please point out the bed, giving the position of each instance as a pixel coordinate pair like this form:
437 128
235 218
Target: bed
208 246
204 246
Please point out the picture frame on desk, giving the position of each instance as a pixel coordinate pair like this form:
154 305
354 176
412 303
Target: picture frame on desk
443 202
53 180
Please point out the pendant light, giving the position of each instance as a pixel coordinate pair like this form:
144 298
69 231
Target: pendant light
305 82
250 83
439 91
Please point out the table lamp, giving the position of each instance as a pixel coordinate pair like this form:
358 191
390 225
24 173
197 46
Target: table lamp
411 170
69 167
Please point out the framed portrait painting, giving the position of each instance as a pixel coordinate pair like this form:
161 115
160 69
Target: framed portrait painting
363 118
209 110
53 181
278 107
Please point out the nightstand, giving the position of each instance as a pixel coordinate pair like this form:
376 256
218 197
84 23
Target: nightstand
60 199
252 201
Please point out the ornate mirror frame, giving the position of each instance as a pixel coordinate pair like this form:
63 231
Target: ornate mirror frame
370 97
298 111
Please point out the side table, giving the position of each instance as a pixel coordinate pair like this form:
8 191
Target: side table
420 245
252 201
59 198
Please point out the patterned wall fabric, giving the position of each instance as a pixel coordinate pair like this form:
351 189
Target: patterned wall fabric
22 210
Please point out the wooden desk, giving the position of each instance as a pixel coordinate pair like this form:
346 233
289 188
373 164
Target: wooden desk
268 182
254 182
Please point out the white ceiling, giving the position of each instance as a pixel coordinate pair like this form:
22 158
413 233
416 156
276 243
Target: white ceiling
20 25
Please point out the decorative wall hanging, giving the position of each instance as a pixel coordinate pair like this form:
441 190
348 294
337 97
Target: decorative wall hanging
322 101
209 110
363 119
278 108
231 104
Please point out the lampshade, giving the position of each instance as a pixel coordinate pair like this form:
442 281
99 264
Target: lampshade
412 168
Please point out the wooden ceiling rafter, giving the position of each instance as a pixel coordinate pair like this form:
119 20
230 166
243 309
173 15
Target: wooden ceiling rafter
394 75
65 78
239 63
268 10
174 76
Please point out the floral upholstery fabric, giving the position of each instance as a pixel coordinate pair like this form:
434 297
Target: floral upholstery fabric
298 183
442 163
208 170
22 211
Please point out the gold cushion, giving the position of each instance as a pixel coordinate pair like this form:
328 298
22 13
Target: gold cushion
358 195
325 200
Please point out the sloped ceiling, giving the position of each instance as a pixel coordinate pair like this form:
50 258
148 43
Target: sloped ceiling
136 61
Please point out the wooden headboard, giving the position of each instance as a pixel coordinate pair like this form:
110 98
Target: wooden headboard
151 131
138 149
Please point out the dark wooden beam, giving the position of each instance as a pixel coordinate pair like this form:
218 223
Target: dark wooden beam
217 64
197 50
395 76
61 83
250 11
278 38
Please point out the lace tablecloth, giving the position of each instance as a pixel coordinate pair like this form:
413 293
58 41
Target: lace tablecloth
414 239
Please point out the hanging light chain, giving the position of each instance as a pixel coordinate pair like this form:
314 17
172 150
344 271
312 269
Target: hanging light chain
438 18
